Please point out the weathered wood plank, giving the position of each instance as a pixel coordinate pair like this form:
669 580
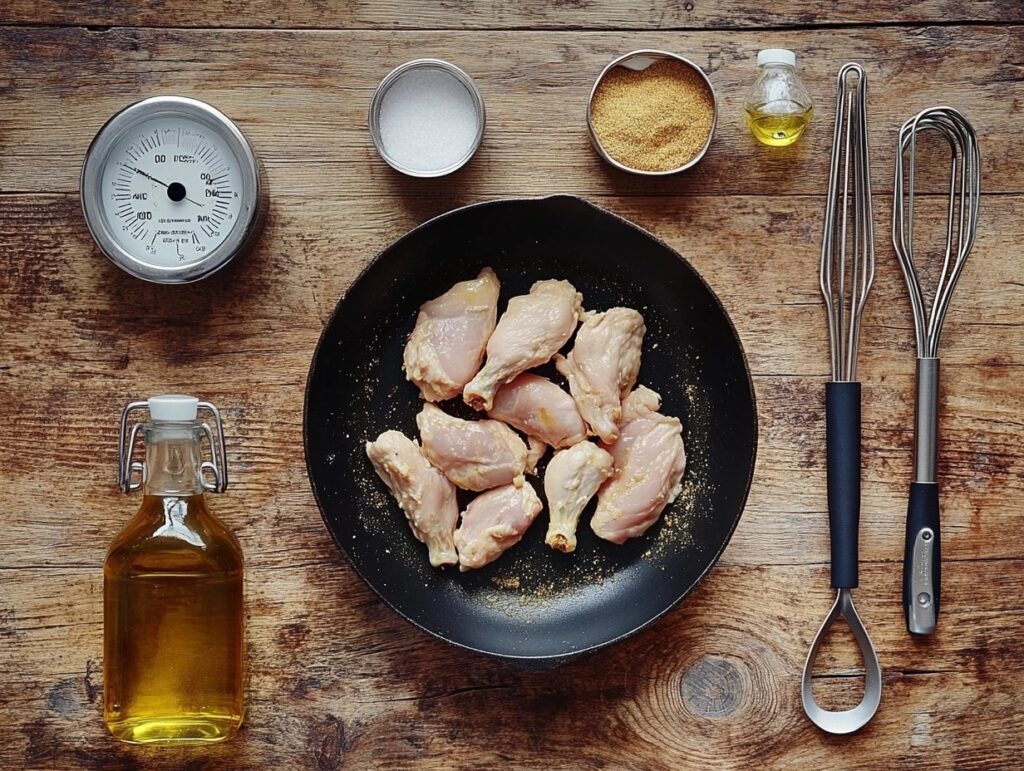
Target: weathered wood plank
713 684
302 98
491 14
336 679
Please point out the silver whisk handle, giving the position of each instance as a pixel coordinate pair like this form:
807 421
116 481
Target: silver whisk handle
922 548
926 419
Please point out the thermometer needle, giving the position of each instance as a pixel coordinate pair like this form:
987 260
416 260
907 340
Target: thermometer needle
154 179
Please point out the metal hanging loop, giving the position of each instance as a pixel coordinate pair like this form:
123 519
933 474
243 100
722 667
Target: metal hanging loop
846 721
218 466
126 467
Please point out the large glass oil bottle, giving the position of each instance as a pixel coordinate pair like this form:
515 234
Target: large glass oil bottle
172 591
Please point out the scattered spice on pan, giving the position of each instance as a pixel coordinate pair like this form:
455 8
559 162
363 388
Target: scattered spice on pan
656 119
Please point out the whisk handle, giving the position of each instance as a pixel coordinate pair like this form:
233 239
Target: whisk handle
921 559
842 438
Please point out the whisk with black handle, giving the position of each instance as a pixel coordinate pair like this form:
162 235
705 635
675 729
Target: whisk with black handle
847 272
921 555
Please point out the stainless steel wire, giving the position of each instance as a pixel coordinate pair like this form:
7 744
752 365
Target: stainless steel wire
962 216
848 243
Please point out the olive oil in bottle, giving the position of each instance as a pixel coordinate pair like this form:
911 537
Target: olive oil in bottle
777 130
172 591
778 107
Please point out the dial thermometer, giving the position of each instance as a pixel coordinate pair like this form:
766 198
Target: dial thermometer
171 190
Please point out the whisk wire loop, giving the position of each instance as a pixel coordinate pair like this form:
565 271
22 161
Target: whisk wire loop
847 245
961 216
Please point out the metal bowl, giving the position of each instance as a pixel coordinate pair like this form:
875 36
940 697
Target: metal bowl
641 60
390 79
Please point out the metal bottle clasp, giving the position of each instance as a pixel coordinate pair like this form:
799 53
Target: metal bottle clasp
130 473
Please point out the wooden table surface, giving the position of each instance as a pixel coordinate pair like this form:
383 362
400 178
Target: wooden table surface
336 679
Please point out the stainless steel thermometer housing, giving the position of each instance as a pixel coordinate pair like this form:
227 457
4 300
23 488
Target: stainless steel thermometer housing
171 190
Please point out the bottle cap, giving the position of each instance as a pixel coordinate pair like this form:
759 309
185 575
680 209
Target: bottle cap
173 407
776 56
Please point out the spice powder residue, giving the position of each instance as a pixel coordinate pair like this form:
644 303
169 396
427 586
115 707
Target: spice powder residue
656 119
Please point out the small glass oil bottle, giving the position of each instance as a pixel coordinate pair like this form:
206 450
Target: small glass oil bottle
778 107
173 654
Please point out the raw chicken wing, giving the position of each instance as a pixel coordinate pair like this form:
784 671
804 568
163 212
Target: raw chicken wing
493 522
422 492
571 479
649 464
474 454
540 409
535 450
446 347
602 367
529 333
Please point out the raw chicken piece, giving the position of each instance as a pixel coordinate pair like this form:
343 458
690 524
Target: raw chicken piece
529 332
649 464
535 450
474 454
422 492
540 409
493 522
446 347
572 478
602 367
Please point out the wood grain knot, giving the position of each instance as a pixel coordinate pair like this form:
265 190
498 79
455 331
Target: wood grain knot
93 689
328 742
290 637
712 687
8 623
65 697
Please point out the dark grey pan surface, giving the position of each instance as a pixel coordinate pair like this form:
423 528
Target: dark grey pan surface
534 606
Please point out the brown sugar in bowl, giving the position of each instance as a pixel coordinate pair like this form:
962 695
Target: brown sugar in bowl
652 113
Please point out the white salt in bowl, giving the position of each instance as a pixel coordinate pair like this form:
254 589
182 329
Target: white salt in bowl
427 118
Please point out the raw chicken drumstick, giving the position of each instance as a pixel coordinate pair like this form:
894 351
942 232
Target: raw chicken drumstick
540 409
649 464
422 492
446 347
529 333
571 479
602 367
493 522
474 454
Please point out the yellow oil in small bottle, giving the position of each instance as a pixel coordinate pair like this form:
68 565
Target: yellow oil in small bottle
777 130
173 607
778 107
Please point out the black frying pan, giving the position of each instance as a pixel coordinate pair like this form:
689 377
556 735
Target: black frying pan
534 606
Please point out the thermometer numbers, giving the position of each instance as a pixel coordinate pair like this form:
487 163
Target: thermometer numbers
172 191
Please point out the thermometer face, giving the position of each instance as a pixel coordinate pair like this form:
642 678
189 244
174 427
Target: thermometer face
171 190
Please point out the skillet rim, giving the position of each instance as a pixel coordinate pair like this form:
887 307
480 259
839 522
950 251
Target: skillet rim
551 659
